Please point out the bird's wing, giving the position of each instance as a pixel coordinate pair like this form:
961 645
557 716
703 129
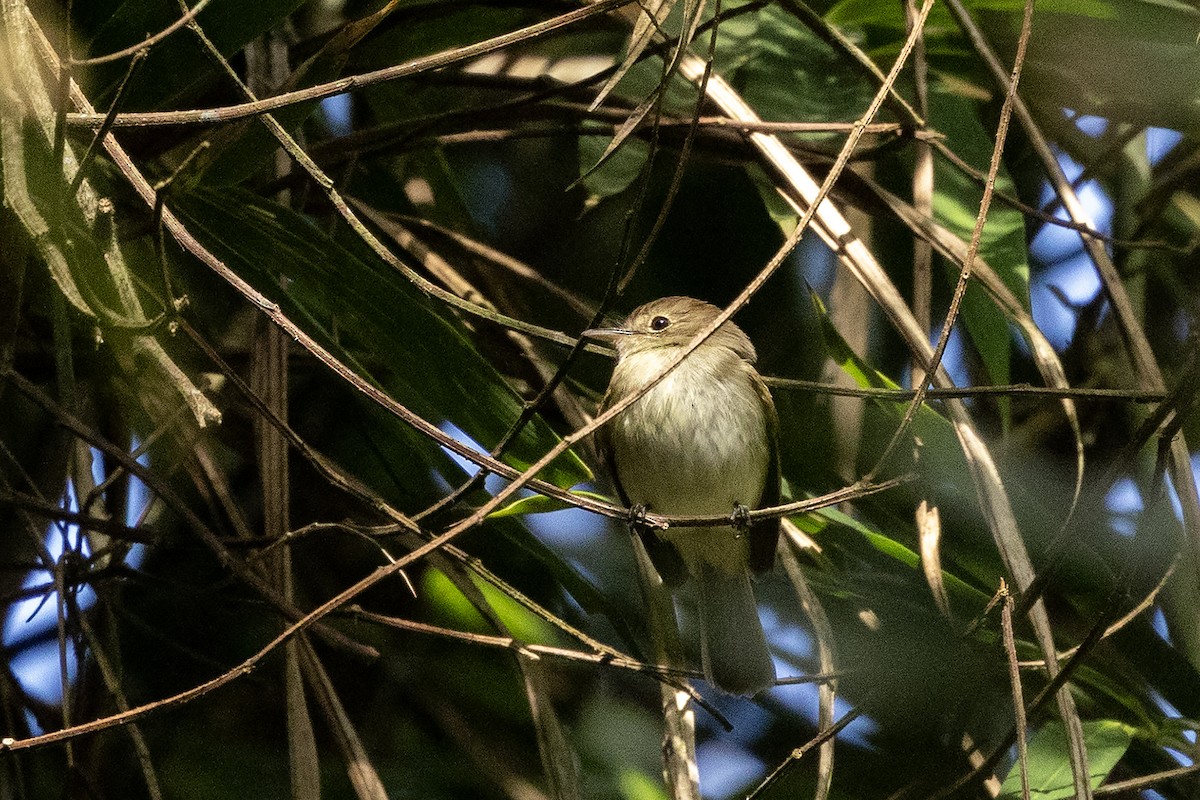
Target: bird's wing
764 535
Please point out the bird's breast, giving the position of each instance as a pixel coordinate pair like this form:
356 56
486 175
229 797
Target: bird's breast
697 442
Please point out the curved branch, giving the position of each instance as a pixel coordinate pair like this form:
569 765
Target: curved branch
208 116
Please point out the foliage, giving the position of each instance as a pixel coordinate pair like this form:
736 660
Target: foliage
251 354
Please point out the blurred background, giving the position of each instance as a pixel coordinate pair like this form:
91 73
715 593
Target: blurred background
183 473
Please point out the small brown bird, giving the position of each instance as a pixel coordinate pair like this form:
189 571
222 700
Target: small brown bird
703 441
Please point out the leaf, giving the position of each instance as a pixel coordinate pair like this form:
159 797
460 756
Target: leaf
862 13
17 196
456 610
956 202
240 149
736 40
637 785
606 172
303 760
1046 359
523 544
1050 767
901 553
375 321
649 21
540 504
608 166
1145 43
624 131
644 29
359 768
560 763
944 469
791 74
178 65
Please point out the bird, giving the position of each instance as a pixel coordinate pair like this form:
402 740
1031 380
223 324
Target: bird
702 441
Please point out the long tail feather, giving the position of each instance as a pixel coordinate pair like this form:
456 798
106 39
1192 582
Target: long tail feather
733 647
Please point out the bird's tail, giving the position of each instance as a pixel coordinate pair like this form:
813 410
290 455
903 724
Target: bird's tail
733 647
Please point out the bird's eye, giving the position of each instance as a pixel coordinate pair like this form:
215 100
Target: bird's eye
659 323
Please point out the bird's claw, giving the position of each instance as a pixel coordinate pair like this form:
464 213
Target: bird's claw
740 518
637 517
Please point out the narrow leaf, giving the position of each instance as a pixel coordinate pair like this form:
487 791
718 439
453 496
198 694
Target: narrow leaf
1049 765
539 504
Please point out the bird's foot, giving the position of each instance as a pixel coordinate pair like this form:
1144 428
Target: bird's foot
637 517
740 518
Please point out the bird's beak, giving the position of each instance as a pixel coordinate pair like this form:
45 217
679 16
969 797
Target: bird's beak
608 335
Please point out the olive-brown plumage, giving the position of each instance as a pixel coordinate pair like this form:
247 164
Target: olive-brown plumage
703 441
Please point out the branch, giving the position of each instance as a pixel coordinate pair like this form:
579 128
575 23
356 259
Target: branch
208 116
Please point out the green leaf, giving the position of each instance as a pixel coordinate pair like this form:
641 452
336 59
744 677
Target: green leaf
616 172
560 763
373 320
1050 766
177 67
457 610
736 38
540 504
929 428
900 552
517 539
637 785
1148 47
789 74
861 13
781 212
936 453
956 202
844 356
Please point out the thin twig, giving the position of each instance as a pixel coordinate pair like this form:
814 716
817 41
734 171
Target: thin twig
1012 389
160 487
112 682
146 43
208 116
964 276
1052 219
922 191
94 145
1014 678
822 736
1146 781
88 522
823 632
1144 605
1147 371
